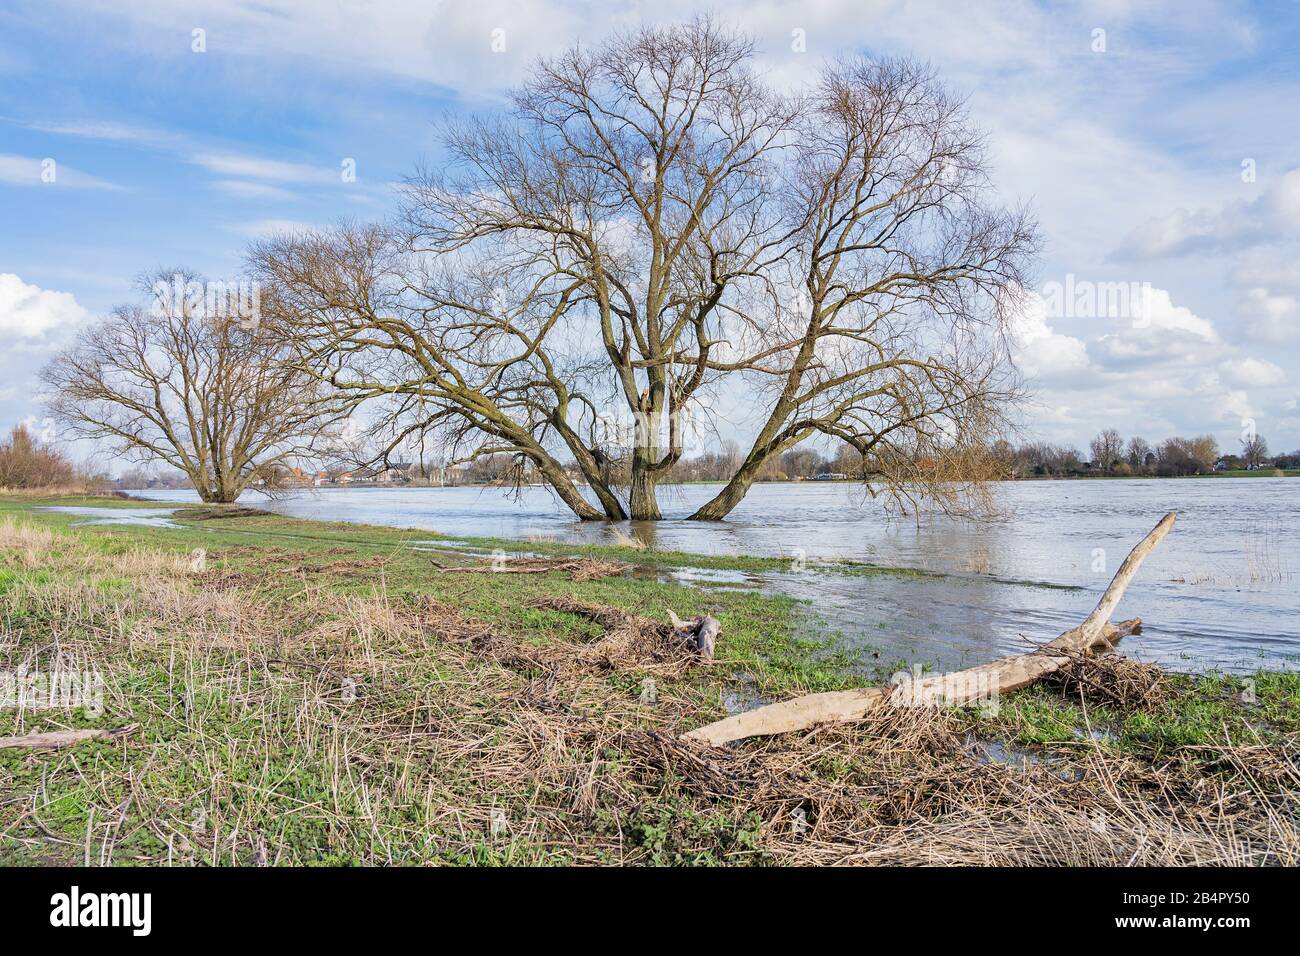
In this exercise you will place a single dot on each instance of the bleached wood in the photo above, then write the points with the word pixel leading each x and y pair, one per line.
pixel 953 689
pixel 56 739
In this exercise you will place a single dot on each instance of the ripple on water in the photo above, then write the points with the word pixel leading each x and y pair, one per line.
pixel 1219 593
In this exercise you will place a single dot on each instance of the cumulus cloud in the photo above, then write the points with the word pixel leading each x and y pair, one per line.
pixel 1248 372
pixel 1270 317
pixel 28 311
pixel 1273 216
pixel 1041 352
pixel 1163 371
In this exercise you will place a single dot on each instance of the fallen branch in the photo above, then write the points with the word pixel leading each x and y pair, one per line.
pixel 633 642
pixel 701 632
pixel 55 739
pixel 579 569
pixel 1095 634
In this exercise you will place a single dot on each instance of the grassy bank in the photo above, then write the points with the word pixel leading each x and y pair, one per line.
pixel 304 692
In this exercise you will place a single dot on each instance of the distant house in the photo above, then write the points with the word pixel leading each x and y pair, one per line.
pixel 358 476
pixel 399 473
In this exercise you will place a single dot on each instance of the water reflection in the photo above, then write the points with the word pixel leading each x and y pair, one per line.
pixel 1219 592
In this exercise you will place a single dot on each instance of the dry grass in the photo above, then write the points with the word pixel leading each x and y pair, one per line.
pixel 1112 680
pixel 366 728
pixel 1266 554
pixel 625 540
pixel 578 569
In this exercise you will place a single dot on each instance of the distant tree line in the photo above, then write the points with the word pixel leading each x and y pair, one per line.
pixel 1109 453
pixel 798 463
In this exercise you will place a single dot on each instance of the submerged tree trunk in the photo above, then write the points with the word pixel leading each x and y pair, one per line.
pixel 216 496
pixel 642 502
pixel 720 505
pixel 613 507
pixel 567 490
pixel 591 470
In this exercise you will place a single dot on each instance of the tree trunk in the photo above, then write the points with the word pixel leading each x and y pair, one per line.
pixel 567 490
pixel 590 469
pixel 642 501
pixel 211 494
pixel 720 505
pixel 613 507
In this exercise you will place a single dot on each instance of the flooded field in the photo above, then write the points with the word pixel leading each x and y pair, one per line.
pixel 1220 593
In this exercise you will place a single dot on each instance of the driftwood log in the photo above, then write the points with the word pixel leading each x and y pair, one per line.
pixel 1095 634
pixel 701 632
pixel 57 739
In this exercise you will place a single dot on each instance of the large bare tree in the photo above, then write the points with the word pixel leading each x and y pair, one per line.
pixel 208 394
pixel 650 223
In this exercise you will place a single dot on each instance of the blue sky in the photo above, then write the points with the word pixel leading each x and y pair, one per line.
pixel 1162 153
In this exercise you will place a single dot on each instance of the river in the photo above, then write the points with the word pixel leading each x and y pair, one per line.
pixel 1219 593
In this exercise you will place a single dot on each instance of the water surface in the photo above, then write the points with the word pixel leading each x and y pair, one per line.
pixel 1219 593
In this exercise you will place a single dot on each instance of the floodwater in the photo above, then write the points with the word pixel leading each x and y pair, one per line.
pixel 1219 593
pixel 150 517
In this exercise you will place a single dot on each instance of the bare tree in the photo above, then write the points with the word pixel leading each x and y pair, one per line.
pixel 204 394
pixel 1107 449
pixel 1139 450
pixel 1254 451
pixel 651 220
pixel 26 462
pixel 1187 456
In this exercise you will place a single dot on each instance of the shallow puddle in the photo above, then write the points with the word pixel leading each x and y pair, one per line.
pixel 144 517
pixel 743 696
pixel 1008 754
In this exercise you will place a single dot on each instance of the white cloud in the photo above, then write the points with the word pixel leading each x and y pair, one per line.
pixel 1160 314
pixel 100 129
pixel 1269 316
pixel 1042 353
pixel 1271 217
pixel 46 172
pixel 265 228
pixel 1166 371
pixel 257 167
pixel 240 189
pixel 1251 372
pixel 28 311
pixel 1268 269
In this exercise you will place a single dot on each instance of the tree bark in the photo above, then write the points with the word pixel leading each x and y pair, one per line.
pixel 721 504
pixel 642 501
pixel 954 689
pixel 568 491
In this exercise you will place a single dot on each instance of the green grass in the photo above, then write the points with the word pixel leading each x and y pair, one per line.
pixel 1252 473
pixel 763 640
pixel 211 767
pixel 1201 710
pixel 250 735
